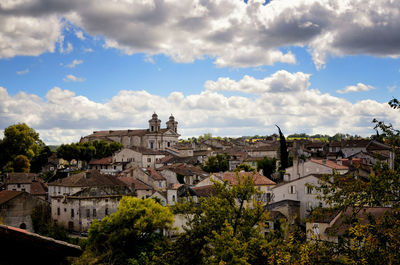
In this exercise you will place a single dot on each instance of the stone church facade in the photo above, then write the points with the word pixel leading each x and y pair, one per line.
pixel 154 137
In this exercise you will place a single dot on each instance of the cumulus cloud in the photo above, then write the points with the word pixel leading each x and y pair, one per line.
pixel 235 33
pixel 72 78
pixel 74 63
pixel 282 98
pixel 79 35
pixel 357 88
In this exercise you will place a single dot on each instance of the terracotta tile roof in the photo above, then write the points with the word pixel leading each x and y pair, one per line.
pixel 22 178
pixel 154 174
pixel 88 179
pixel 259 180
pixel 102 161
pixel 38 188
pixel 329 163
pixel 7 195
pixel 176 186
pixel 139 185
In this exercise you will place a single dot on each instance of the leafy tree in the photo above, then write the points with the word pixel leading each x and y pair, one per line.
pixel 132 235
pixel 223 229
pixel 21 164
pixel 217 163
pixel 41 159
pixel 19 139
pixel 245 168
pixel 268 166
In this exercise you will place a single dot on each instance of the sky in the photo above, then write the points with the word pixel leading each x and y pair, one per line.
pixel 226 67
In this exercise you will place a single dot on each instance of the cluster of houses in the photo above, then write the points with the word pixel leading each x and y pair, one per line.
pixel 154 164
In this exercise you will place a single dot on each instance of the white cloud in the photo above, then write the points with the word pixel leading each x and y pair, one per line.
pixel 287 100
pixel 234 33
pixel 74 63
pixel 72 78
pixel 79 35
pixel 23 72
pixel 87 50
pixel 357 88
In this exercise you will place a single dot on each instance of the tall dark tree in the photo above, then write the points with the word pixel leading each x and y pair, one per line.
pixel 268 165
pixel 284 155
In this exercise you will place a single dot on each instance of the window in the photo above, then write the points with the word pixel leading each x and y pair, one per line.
pixel 159 184
pixel 18 185
pixel 309 190
pixel 106 211
pixel 168 144
pixel 268 197
pixel 72 213
pixel 151 145
pixel 58 211
pixel 65 210
pixel 94 213
pixel 23 189
pixel 87 213
pixel 149 159
pixel 152 128
pixel 292 189
pixel 173 197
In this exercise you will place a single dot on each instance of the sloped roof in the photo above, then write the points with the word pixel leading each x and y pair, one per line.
pixel 259 180
pixel 22 178
pixel 102 161
pixel 87 179
pixel 154 174
pixel 38 188
pixel 204 191
pixel 146 151
pixel 139 185
pixel 7 195
pixel 329 163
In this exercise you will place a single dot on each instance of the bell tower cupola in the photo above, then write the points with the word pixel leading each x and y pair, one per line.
pixel 154 123
pixel 172 124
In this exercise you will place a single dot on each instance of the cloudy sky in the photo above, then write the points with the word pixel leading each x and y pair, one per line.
pixel 227 67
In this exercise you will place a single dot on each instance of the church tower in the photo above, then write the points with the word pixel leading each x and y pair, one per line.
pixel 172 124
pixel 154 123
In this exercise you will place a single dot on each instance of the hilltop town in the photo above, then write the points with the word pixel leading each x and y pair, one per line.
pixel 153 163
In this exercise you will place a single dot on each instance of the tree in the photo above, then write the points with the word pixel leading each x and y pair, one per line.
pixel 245 168
pixel 19 139
pixel 284 155
pixel 217 163
pixel 268 166
pixel 41 159
pixel 21 164
pixel 223 229
pixel 132 235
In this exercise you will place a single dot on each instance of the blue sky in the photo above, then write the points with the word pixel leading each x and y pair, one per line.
pixel 226 67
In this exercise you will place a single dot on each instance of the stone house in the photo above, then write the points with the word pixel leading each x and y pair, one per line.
pixel 270 151
pixel 16 208
pixel 302 168
pixel 28 182
pixel 138 187
pixel 154 137
pixel 80 198
pixel 299 190
pixel 148 175
pixel 138 156
pixel 180 173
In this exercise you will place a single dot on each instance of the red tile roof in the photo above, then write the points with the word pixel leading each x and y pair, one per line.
pixel 205 191
pixel 102 161
pixel 329 163
pixel 154 174
pixel 259 180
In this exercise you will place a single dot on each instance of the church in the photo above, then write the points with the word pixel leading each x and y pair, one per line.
pixel 154 137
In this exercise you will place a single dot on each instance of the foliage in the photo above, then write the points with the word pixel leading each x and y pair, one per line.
pixel 284 154
pixel 41 159
pixel 21 164
pixel 268 166
pixel 19 139
pixel 218 163
pixel 222 229
pixel 245 168
pixel 131 235
pixel 88 150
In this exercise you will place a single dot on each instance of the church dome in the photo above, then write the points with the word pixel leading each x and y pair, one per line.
pixel 171 118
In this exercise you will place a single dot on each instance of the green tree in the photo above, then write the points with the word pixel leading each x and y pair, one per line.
pixel 223 229
pixel 21 164
pixel 41 159
pixel 284 155
pixel 132 235
pixel 245 168
pixel 19 139
pixel 268 166
pixel 217 163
